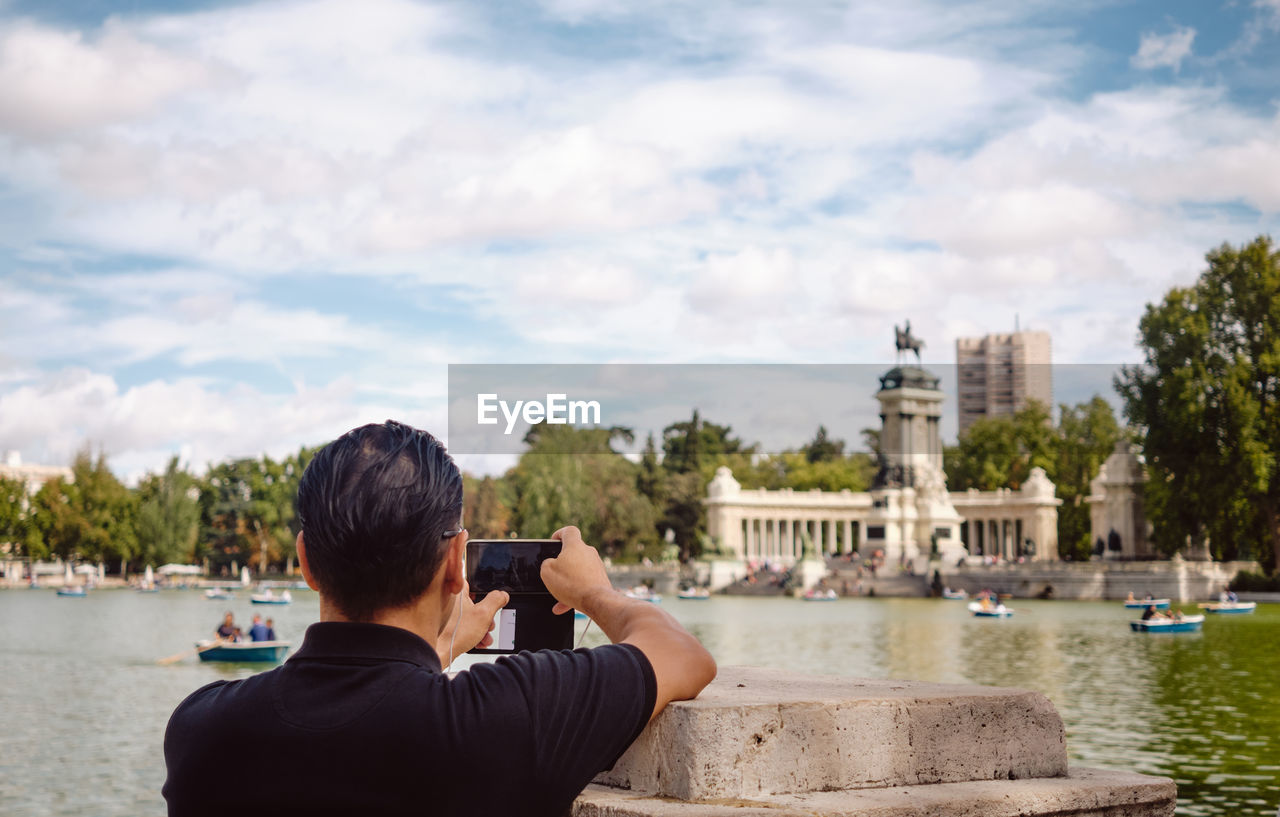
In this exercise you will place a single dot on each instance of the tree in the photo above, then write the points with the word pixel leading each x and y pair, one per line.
pixel 17 524
pixel 688 445
pixel 822 448
pixel 168 516
pixel 484 514
pixel 1087 434
pixel 248 511
pixel 999 452
pixel 92 517
pixel 573 476
pixel 1207 399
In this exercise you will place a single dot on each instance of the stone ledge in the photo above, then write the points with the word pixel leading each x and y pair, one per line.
pixel 1083 793
pixel 759 732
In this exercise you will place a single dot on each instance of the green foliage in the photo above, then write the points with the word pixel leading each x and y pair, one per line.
pixel 794 469
pixel 1247 582
pixel 999 452
pixel 822 448
pixel 93 518
pixel 573 476
pixel 18 529
pixel 1207 397
pixel 1087 434
pixel 688 446
pixel 248 511
pixel 484 514
pixel 168 516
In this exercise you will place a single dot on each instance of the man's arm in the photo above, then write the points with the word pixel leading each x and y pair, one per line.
pixel 578 580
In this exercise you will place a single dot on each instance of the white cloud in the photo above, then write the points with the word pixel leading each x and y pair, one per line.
pixel 139 427
pixel 739 184
pixel 1164 50
pixel 54 82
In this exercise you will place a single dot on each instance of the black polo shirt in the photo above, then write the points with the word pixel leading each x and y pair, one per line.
pixel 362 721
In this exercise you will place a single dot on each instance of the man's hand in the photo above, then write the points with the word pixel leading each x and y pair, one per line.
pixel 576 574
pixel 577 578
pixel 472 625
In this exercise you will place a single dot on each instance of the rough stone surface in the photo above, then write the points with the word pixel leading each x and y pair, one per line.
pixel 1084 793
pixel 759 732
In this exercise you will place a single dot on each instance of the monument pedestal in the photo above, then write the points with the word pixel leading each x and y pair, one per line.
pixel 773 743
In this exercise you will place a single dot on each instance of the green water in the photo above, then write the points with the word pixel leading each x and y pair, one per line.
pixel 83 704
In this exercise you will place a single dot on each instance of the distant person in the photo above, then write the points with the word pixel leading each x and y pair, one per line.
pixel 271 629
pixel 228 631
pixel 1149 613
pixel 258 630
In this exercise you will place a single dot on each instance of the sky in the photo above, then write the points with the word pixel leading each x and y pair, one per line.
pixel 236 228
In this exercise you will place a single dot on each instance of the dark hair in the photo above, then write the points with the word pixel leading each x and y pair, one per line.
pixel 374 505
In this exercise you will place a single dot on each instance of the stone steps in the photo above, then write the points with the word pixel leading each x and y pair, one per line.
pixel 769 741
pixel 1083 793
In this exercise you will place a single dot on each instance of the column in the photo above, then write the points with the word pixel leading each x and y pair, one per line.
pixel 848 536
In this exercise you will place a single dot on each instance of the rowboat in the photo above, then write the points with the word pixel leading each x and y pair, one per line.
pixel 254 651
pixel 980 610
pixel 1159 604
pixel 77 592
pixel 642 593
pixel 694 594
pixel 1188 624
pixel 271 598
pixel 1229 607
pixel 219 594
pixel 954 595
pixel 814 594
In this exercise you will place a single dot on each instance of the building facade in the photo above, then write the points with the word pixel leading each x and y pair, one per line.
pixel 1117 514
pixel 907 518
pixel 33 477
pixel 997 374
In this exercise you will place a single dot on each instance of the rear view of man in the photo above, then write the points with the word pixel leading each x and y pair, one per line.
pixel 362 720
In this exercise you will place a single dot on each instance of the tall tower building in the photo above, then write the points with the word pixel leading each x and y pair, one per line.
pixel 999 373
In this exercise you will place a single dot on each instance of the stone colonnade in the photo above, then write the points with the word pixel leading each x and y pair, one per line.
pixel 781 535
pixel 774 525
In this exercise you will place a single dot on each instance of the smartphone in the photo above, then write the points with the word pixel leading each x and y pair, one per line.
pixel 515 565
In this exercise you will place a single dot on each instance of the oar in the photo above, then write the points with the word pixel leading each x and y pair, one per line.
pixel 188 653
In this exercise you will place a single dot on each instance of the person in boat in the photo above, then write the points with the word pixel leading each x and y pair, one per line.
pixel 1150 613
pixel 271 629
pixel 228 631
pixel 1130 598
pixel 363 718
pixel 258 630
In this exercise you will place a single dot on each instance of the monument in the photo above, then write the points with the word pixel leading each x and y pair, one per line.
pixel 911 518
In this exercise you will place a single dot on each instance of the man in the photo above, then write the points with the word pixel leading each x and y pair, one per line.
pixel 228 631
pixel 271 630
pixel 362 720
pixel 258 631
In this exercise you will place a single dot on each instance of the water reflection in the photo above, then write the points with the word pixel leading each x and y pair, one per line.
pixel 85 703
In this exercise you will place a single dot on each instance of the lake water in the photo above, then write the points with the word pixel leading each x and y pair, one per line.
pixel 83 704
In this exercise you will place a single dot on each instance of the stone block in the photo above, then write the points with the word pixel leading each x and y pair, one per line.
pixel 760 732
pixel 1084 793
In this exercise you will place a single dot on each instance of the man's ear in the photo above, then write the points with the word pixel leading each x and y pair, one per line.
pixel 302 562
pixel 453 578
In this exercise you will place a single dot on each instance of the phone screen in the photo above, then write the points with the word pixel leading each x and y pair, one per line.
pixel 515 565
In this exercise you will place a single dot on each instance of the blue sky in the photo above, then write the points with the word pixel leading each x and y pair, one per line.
pixel 228 228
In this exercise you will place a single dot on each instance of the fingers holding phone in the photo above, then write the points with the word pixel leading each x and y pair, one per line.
pixel 576 573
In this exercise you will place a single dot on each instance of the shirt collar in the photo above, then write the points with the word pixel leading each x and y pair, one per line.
pixel 348 640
